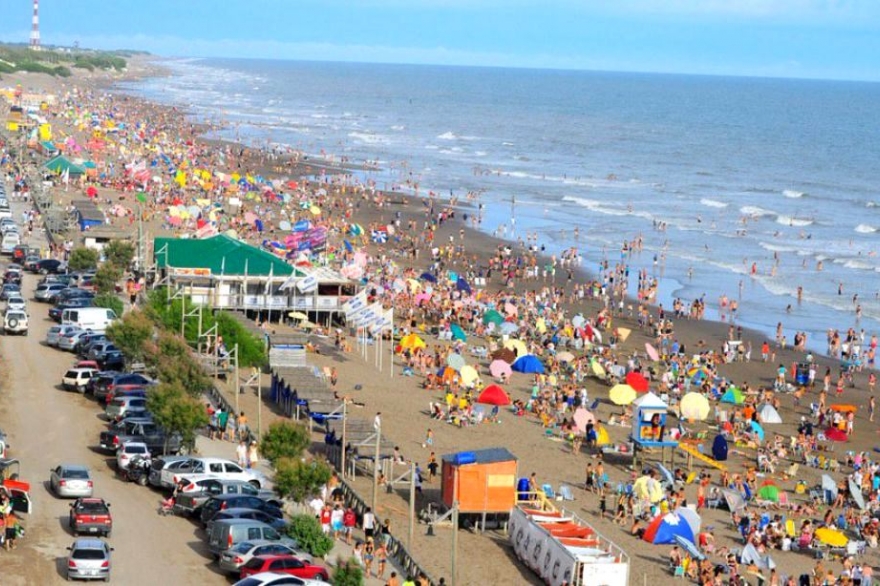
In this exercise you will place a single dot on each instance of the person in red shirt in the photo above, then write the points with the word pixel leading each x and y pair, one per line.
pixel 349 521
pixel 326 513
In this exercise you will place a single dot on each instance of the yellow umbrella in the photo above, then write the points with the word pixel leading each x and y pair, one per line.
pixel 411 341
pixel 695 406
pixel 831 537
pixel 468 374
pixel 517 346
pixel 316 211
pixel 541 325
pixel 298 315
pixel 413 284
pixel 597 369
pixel 624 333
pixel 622 394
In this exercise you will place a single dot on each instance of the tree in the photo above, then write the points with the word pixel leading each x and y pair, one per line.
pixel 106 278
pixel 176 412
pixel 347 573
pixel 307 532
pixel 119 253
pixel 110 302
pixel 173 363
pixel 285 439
pixel 300 479
pixel 251 349
pixel 82 259
pixel 131 333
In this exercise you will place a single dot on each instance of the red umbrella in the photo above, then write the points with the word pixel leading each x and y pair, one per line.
pixel 836 435
pixel 637 381
pixel 494 395
pixel 92 191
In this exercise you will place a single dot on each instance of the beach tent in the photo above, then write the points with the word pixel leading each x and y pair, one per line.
pixel 665 528
pixel 719 448
pixel 750 555
pixel 637 381
pixel 493 317
pixel 691 517
pixel 836 435
pixel 528 364
pixel 733 395
pixel 602 438
pixel 458 333
pixel 757 430
pixel 769 491
pixel 735 501
pixel 411 342
pixel 493 395
pixel 62 164
pixel 769 414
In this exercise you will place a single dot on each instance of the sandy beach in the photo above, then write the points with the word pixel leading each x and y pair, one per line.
pixel 432 235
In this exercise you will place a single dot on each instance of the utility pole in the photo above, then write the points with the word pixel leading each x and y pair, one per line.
pixel 412 506
pixel 378 429
pixel 344 425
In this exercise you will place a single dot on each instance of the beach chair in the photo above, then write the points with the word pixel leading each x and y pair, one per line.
pixel 790 528
pixel 594 404
pixel 566 493
pixel 784 503
pixel 691 477
pixel 547 489
pixel 792 471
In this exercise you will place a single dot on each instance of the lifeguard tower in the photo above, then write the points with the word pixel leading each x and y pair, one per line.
pixel 649 430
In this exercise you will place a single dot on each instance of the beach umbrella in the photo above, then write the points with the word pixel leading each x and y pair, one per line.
pixel 855 492
pixel 836 435
pixel 428 277
pixel 759 431
pixel 691 517
pixel 582 417
pixel 284 225
pixel 510 309
pixel 528 364
pixel 499 368
pixel 622 394
pixel 347 245
pixel 597 369
pixel 494 395
pixel 298 315
pixel 92 191
pixel 517 346
pixel 698 373
pixel 665 474
pixel 734 500
pixel 665 528
pixel 565 357
pixel 250 218
pixel 468 374
pixel 623 333
pixel 507 328
pixel 455 361
pixel 315 210
pixel 719 448
pixel 652 352
pixel 750 555
pixel 695 406
pixel 458 333
pixel 769 492
pixel 831 537
pixel 412 342
pixel 505 354
pixel 462 285
pixel 492 317
pixel 688 545
pixel 768 414
pixel 733 395
pixel 844 408
pixel 637 381
pixel 829 487
pixel 647 488
pixel 578 321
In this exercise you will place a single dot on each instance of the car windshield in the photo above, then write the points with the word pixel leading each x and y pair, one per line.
pixel 76 473
pixel 136 449
pixel 92 508
pixel 88 554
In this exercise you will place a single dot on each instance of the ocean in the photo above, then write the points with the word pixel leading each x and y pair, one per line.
pixel 716 174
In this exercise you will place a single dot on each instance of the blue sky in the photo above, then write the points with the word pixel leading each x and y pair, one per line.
pixel 832 39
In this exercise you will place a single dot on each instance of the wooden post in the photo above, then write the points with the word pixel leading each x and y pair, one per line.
pixel 412 506
pixel 344 425
pixel 452 580
pixel 376 468
pixel 260 403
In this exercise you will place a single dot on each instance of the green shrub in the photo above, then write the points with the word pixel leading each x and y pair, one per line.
pixel 83 259
pixel 285 439
pixel 347 573
pixel 298 479
pixel 306 529
pixel 110 301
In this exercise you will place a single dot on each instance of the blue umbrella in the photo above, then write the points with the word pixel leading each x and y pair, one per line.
pixel 462 285
pixel 348 246
pixel 428 277
pixel 759 431
pixel 688 545
pixel 458 333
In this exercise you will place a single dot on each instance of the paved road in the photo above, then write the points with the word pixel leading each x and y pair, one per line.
pixel 47 426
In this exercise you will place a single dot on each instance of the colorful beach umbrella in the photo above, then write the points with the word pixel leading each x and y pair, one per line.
pixel 665 528
pixel 458 333
pixel 836 435
pixel 637 381
pixel 622 394
pixel 493 317
pixel 412 342
pixel 695 406
pixel 499 368
pixel 831 537
pixel 769 492
pixel 565 357
pixel 597 369
pixel 517 346
pixel 505 354
pixel 652 352
pixel 455 361
pixel 494 395
pixel 529 364
pixel 469 374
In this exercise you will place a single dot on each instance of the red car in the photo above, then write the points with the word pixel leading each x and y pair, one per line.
pixel 90 515
pixel 284 564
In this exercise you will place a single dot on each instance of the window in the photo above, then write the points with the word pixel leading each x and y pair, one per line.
pixel 216 468
pixel 233 469
pixel 254 533
pixel 276 565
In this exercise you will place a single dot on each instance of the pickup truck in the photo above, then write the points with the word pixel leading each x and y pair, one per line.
pixel 140 430
pixel 190 502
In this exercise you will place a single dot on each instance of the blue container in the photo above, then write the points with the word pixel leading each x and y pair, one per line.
pixel 522 489
pixel 464 458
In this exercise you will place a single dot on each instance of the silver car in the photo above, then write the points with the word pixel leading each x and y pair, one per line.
pixel 45 291
pixel 55 333
pixel 233 559
pixel 89 559
pixel 69 341
pixel 71 481
pixel 122 407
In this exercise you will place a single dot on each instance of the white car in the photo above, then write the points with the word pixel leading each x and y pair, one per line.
pixel 76 379
pixel 15 321
pixel 16 302
pixel 127 451
pixel 196 469
pixel 277 579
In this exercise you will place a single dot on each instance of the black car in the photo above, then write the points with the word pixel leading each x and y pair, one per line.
pixel 120 381
pixel 13 277
pixel 57 311
pixel 101 377
pixel 50 265
pixel 113 360
pixel 237 501
pixel 74 293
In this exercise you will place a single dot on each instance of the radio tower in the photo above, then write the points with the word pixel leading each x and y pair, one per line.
pixel 35 27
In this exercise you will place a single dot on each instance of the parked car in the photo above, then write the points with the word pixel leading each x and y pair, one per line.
pixel 91 515
pixel 69 341
pixel 121 407
pixel 16 302
pixel 15 321
pixel 237 501
pixel 56 312
pixel 156 477
pixel 144 430
pixel 226 534
pixel 83 346
pixel 12 277
pixel 105 387
pixel 194 493
pixel 127 451
pixel 198 468
pixel 55 333
pixel 74 293
pixel 284 564
pixel 98 350
pixel 29 262
pixel 45 291
pixel 103 378
pixel 245 550
pixel 275 522
pixel 112 360
pixel 9 289
pixel 51 265
pixel 77 379
pixel 71 481
pixel 89 559
pixel 277 579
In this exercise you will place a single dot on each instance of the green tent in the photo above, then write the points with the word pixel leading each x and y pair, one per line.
pixel 62 164
pixel 493 317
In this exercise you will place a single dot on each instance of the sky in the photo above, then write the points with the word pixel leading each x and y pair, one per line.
pixel 825 39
